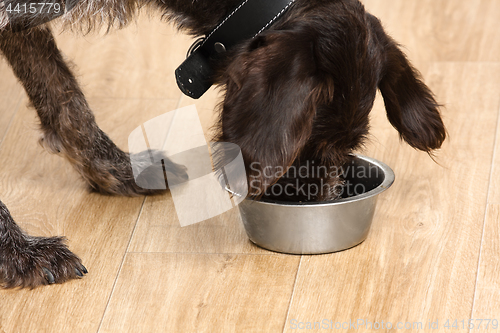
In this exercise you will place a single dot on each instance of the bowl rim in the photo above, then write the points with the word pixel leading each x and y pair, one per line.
pixel 389 178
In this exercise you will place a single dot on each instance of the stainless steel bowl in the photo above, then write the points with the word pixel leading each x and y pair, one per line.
pixel 320 227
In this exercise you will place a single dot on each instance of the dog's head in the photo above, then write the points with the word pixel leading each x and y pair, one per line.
pixel 304 88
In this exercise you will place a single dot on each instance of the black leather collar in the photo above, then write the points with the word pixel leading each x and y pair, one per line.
pixel 250 18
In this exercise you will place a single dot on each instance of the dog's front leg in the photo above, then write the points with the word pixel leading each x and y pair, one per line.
pixel 68 125
pixel 27 261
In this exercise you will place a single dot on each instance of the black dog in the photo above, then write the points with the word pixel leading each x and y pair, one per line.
pixel 299 91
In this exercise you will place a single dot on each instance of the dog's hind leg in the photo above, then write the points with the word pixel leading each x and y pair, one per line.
pixel 68 125
pixel 27 261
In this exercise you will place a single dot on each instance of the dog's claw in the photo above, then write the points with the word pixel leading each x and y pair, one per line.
pixel 84 270
pixel 48 275
pixel 78 273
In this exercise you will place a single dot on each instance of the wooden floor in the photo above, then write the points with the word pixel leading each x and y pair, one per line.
pixel 432 254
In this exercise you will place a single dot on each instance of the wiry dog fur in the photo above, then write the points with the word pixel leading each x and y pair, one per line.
pixel 300 91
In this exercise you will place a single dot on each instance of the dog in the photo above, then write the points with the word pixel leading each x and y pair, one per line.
pixel 299 91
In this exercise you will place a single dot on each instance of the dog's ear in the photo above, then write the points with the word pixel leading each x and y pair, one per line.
pixel 269 106
pixel 410 104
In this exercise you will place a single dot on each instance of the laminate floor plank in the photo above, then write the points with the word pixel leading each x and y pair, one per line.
pixel 487 297
pixel 442 30
pixel 201 293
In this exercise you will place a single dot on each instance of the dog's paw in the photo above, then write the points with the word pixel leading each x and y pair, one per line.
pixel 135 174
pixel 39 261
